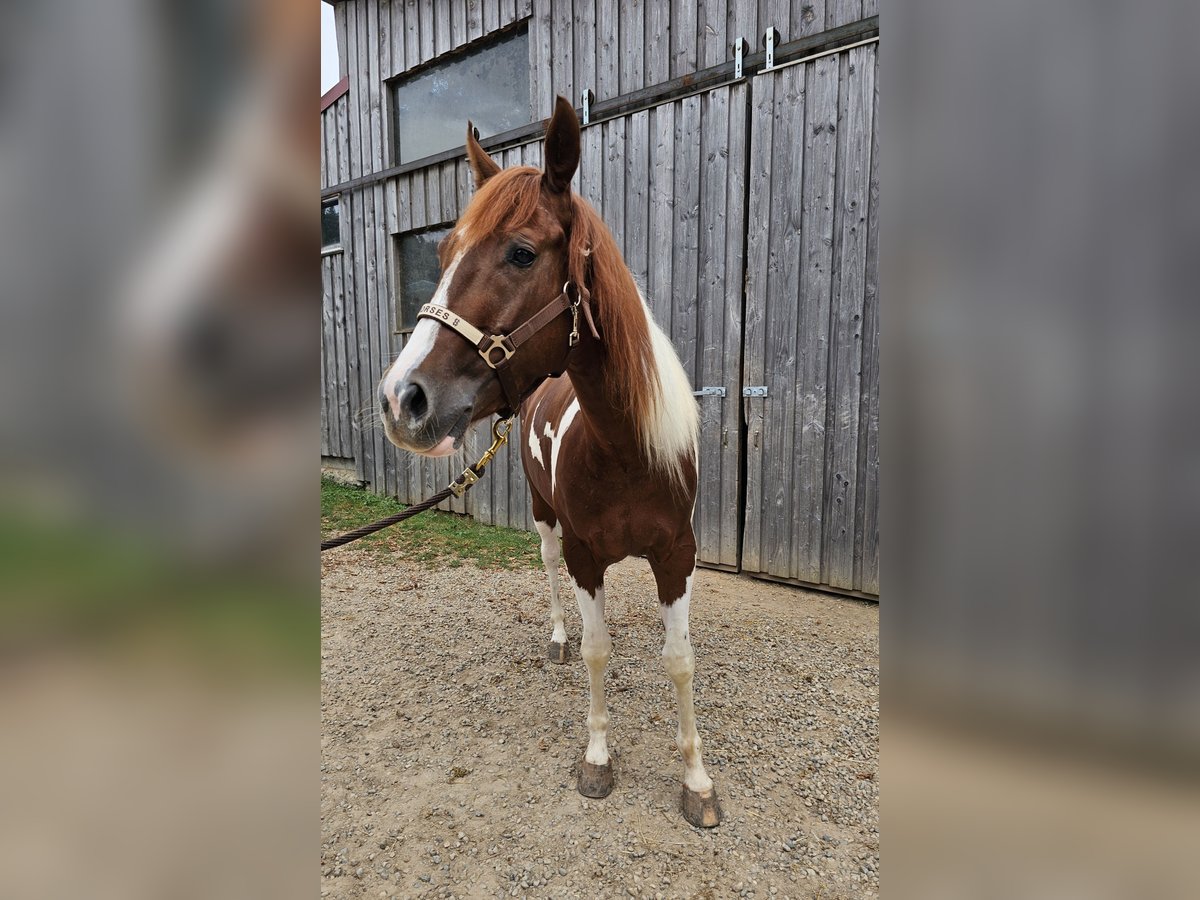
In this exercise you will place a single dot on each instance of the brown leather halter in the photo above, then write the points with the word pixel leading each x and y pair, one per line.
pixel 498 349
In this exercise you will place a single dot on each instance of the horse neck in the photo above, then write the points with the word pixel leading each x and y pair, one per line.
pixel 603 410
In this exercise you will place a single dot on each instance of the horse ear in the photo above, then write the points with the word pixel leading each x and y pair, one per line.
pixel 482 165
pixel 562 146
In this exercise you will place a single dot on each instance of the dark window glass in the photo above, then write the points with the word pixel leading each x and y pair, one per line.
pixel 419 272
pixel 489 86
pixel 331 224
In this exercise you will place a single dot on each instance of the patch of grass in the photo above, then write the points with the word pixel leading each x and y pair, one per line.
pixel 433 537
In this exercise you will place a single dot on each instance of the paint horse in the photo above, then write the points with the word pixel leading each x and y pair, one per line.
pixel 534 287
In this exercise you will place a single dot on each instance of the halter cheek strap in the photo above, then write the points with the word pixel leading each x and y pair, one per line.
pixel 498 349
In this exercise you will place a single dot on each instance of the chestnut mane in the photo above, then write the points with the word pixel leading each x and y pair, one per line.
pixel 645 374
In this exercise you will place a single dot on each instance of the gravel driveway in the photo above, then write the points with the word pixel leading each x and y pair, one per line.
pixel 450 746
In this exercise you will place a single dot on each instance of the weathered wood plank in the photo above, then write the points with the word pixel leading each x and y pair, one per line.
pixel 474 20
pixel 683 39
pixel 685 244
pixel 787 171
pixel 816 273
pixel 491 15
pixel 631 46
pixel 396 32
pixel 710 300
pixel 457 16
pixel 757 286
pixel 608 49
pixel 428 30
pixel 841 12
pixel 585 50
pixel 541 73
pixel 637 192
pixel 712 26
pixel 613 180
pixel 341 378
pixel 734 288
pixel 807 18
pixel 369 57
pixel 657 42
pixel 326 344
pixel 363 335
pixel 351 337
pixel 867 517
pixel 353 96
pixel 563 75
pixel 854 166
pixel 662 198
pixel 412 33
pixel 443 19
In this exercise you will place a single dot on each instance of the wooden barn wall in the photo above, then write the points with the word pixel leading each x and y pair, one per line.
pixel 812 450
pixel 611 47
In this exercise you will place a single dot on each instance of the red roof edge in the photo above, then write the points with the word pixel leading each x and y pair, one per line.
pixel 334 92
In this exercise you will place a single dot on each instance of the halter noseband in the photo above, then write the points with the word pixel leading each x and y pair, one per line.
pixel 498 349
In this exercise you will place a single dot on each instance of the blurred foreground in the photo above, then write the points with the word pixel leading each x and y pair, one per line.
pixel 1040 451
pixel 159 618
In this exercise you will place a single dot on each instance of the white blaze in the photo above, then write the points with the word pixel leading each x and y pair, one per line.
pixel 420 342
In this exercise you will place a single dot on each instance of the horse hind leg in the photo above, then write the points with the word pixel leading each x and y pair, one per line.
pixel 558 652
pixel 699 800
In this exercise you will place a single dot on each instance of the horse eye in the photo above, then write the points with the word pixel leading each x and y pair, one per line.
pixel 521 256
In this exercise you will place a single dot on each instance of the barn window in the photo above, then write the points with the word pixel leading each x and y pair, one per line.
pixel 331 225
pixel 417 272
pixel 487 83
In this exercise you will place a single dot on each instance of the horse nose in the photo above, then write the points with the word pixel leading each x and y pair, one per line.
pixel 405 402
pixel 413 403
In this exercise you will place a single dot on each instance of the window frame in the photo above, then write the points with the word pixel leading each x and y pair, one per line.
pixel 327 250
pixel 398 271
pixel 393 83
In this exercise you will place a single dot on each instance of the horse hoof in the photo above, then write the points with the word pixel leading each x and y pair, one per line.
pixel 595 781
pixel 701 810
pixel 558 652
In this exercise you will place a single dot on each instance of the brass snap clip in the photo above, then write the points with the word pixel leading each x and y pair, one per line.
pixel 574 339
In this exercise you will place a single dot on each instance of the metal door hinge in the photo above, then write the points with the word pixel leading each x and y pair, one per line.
pixel 770 41
pixel 756 391
pixel 709 392
pixel 586 100
pixel 741 49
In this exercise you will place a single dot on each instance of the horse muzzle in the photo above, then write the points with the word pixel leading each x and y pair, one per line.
pixel 423 416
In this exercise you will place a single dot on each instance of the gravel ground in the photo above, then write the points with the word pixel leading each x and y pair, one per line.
pixel 450 746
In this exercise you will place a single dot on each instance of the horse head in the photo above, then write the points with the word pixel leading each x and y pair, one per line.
pixel 505 313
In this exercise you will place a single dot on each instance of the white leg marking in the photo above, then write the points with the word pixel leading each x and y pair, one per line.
pixel 550 557
pixel 556 438
pixel 680 663
pixel 420 342
pixel 595 648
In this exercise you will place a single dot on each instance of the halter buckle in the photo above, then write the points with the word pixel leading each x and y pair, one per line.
pixel 497 342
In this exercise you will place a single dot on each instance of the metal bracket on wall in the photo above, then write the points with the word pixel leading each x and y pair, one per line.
pixel 709 392
pixel 771 40
pixel 587 99
pixel 756 391
pixel 741 49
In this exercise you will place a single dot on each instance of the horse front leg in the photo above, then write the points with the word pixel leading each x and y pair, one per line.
pixel 674 578
pixel 587 580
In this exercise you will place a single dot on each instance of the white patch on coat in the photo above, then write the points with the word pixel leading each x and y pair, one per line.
pixel 535 449
pixel 551 554
pixel 556 437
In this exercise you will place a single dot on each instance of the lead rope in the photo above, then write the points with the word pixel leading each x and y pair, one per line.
pixel 458 487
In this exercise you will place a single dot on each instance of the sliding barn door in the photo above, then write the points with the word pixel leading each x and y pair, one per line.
pixel 812 325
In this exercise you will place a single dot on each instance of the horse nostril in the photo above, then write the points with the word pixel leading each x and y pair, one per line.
pixel 413 402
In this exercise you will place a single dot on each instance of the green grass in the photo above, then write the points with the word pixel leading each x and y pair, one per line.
pixel 432 537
